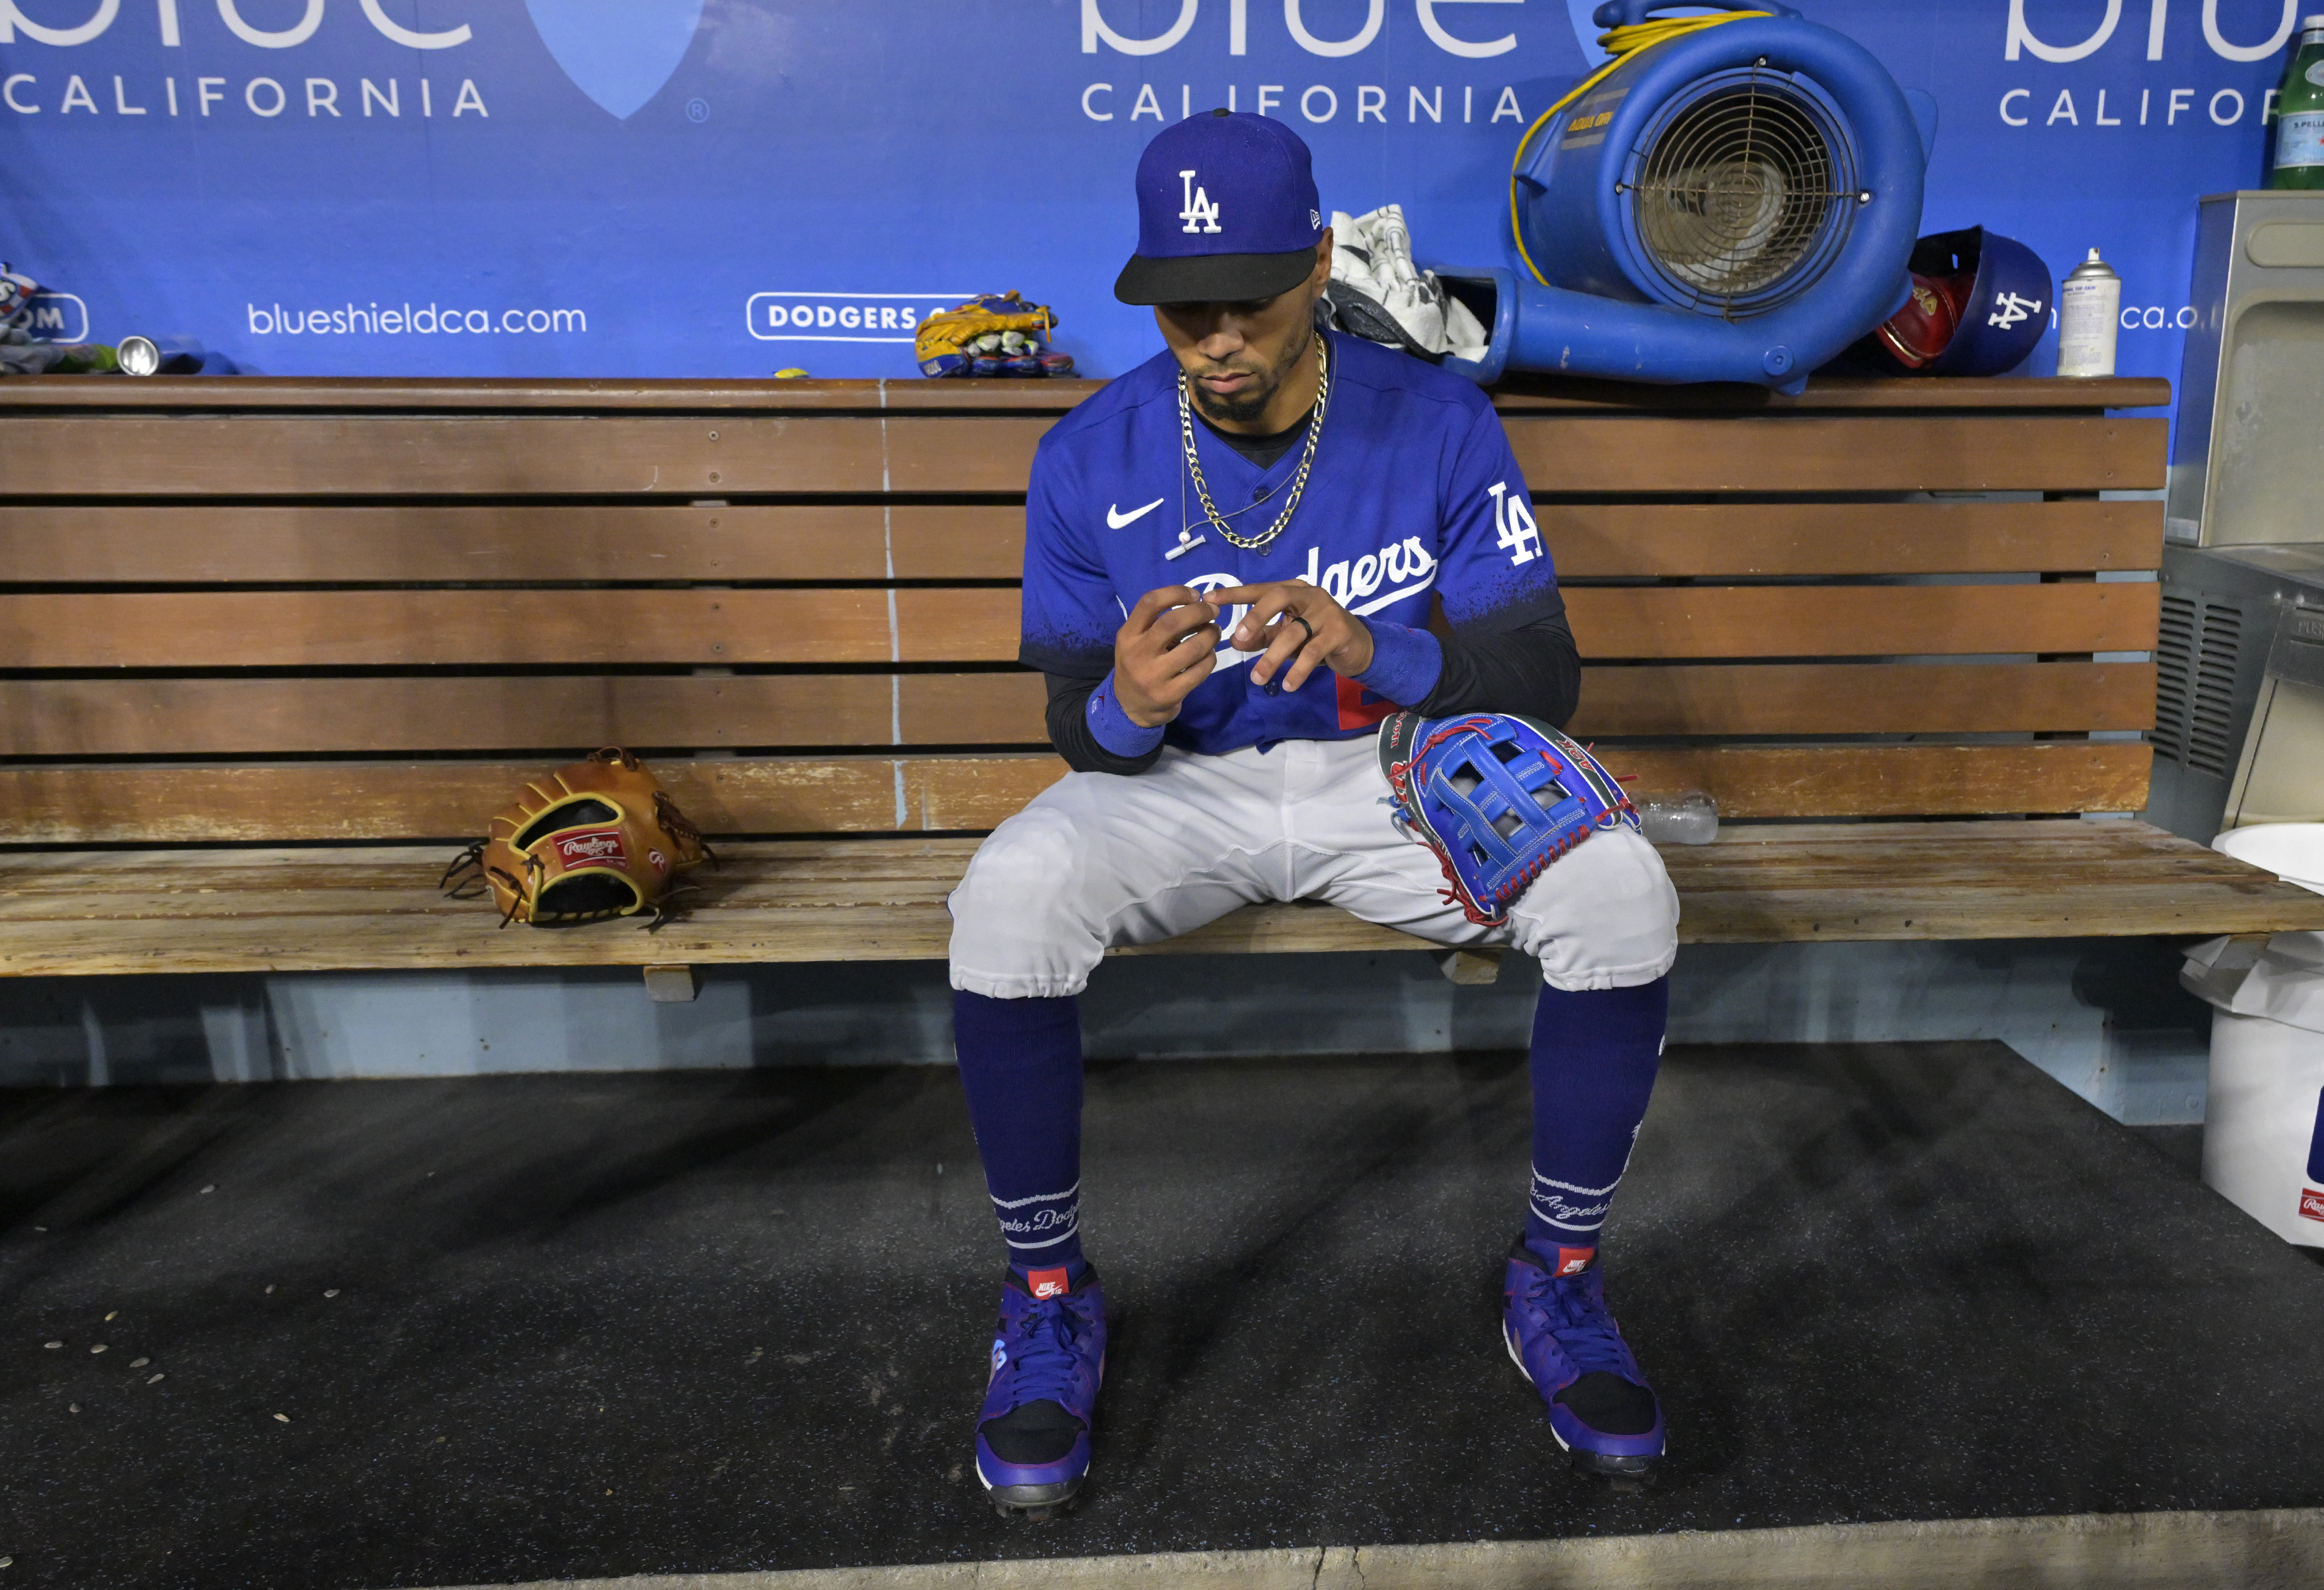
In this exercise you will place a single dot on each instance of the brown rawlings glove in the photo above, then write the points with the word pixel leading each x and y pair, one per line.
pixel 599 839
pixel 941 345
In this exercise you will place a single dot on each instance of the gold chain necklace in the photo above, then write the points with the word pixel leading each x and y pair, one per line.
pixel 1298 481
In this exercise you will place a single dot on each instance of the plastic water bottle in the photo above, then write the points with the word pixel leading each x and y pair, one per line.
pixel 1688 818
pixel 2089 311
pixel 2299 113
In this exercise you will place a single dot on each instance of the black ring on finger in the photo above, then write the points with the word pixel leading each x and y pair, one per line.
pixel 1303 623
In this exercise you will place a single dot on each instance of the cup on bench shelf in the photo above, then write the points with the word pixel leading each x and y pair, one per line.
pixel 1687 817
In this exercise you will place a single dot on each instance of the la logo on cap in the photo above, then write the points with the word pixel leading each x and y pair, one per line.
pixel 1199 208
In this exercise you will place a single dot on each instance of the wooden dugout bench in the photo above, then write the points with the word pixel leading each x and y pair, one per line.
pixel 271 647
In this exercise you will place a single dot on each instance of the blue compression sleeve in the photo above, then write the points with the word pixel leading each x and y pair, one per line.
pixel 1406 664
pixel 1112 727
pixel 1594 1058
pixel 1020 1065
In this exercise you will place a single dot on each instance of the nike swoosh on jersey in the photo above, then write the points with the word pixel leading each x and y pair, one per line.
pixel 1115 519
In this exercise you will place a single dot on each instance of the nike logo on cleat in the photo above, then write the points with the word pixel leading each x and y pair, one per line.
pixel 1115 519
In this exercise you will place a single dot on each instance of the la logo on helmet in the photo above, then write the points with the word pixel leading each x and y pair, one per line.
pixel 1199 208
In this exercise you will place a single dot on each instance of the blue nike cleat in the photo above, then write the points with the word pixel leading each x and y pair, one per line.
pixel 1561 1336
pixel 1033 1437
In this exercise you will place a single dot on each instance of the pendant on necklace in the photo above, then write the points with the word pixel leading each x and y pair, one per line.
pixel 1186 543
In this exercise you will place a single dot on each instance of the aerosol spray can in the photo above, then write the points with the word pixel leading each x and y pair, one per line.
pixel 159 356
pixel 2089 313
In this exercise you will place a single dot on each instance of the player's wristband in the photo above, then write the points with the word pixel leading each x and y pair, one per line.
pixel 1406 664
pixel 1111 726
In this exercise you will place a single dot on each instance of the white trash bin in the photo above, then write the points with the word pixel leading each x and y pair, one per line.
pixel 2263 1123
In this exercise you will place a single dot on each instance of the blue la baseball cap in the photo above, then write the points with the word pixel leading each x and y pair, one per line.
pixel 1227 212
pixel 2007 308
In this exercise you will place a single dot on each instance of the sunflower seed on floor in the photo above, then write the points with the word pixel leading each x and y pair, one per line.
pixel 151 1378
pixel 283 1418
pixel 139 1362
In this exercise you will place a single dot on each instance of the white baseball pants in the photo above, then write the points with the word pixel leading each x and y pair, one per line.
pixel 1099 860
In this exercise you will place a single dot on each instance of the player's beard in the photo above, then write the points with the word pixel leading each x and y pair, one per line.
pixel 1251 405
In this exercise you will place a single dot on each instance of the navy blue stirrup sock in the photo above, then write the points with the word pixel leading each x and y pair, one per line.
pixel 1594 1060
pixel 1020 1065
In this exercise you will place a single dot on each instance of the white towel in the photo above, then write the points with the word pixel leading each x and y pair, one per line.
pixel 1373 254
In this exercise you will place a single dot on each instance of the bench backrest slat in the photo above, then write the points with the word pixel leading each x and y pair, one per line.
pixel 1863 621
pixel 431 543
pixel 725 628
pixel 1812 540
pixel 439 543
pixel 412 716
pixel 1857 454
pixel 375 455
pixel 444 799
pixel 208 717
pixel 1801 699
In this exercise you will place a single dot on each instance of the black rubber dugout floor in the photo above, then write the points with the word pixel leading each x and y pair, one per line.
pixel 592 1325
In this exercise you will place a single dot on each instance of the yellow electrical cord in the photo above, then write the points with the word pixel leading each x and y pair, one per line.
pixel 1622 42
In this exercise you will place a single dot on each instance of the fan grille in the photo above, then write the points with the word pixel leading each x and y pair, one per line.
pixel 1743 199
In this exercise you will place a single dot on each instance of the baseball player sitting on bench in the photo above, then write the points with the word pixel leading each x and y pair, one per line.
pixel 1231 557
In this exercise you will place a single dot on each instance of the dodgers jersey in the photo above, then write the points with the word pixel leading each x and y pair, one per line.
pixel 1414 494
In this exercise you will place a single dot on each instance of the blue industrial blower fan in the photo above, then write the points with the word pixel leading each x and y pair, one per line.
pixel 1734 198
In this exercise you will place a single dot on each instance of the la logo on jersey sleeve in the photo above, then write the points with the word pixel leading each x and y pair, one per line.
pixel 1514 530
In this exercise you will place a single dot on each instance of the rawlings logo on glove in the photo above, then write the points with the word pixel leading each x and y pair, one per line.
pixel 561 853
pixel 1498 797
